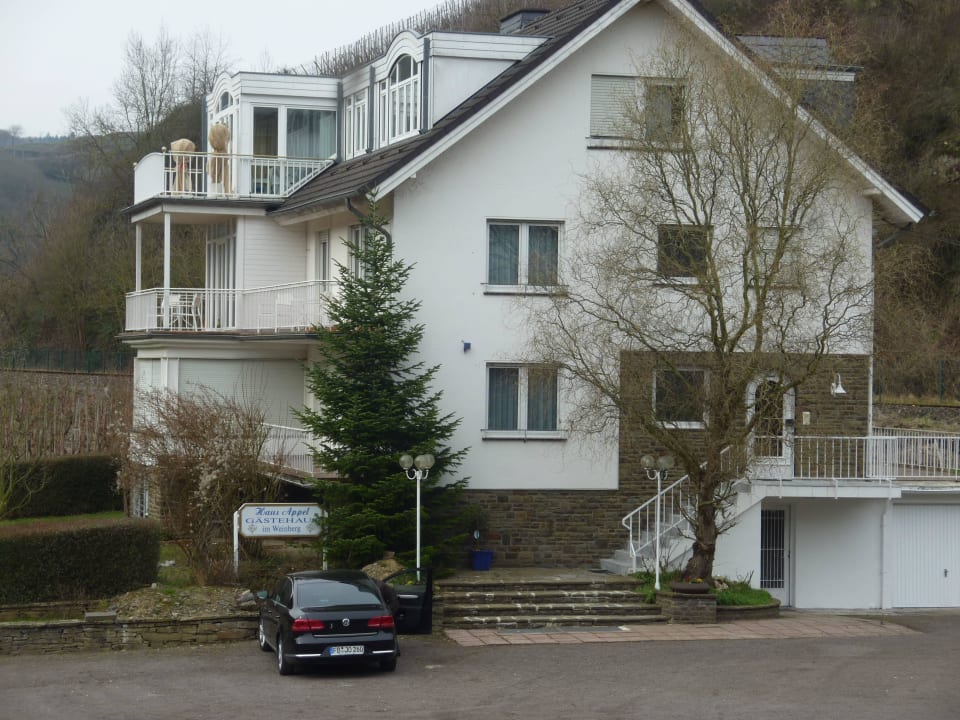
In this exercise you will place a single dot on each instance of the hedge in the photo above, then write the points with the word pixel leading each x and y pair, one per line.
pixel 82 559
pixel 72 485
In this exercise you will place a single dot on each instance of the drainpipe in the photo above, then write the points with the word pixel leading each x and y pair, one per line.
pixel 425 85
pixel 366 219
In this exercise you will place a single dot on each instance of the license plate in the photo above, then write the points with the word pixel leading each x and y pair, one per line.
pixel 347 650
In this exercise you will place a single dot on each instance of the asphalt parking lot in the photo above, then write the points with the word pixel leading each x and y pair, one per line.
pixel 908 672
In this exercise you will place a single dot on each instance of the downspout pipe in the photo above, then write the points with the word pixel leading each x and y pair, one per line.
pixel 365 219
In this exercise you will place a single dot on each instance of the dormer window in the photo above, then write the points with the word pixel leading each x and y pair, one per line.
pixel 400 100
pixel 225 101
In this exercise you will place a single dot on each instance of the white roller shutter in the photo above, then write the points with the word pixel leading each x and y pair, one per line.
pixel 275 385
pixel 926 555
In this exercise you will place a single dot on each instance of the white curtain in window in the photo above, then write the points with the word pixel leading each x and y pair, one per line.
pixel 542 259
pixel 311 133
pixel 504 255
pixel 503 403
pixel 541 399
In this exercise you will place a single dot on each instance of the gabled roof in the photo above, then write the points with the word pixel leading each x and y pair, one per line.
pixel 565 29
pixel 363 174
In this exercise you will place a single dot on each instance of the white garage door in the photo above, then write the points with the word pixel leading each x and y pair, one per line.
pixel 926 556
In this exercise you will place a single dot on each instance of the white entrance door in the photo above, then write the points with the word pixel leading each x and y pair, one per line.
pixel 926 556
pixel 775 552
pixel 774 427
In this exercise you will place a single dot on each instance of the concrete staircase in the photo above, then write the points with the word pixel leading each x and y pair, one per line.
pixel 558 599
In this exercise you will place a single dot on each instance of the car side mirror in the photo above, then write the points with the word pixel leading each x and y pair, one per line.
pixel 261 595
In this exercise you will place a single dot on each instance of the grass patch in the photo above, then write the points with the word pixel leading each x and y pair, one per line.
pixel 737 593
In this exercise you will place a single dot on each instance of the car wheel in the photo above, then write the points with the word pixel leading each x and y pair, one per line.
pixel 284 666
pixel 262 638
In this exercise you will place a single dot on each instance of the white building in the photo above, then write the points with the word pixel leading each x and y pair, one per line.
pixel 475 144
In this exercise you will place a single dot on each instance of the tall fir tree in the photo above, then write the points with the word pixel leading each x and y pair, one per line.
pixel 375 404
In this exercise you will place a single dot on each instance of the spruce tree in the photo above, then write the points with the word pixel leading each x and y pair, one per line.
pixel 375 404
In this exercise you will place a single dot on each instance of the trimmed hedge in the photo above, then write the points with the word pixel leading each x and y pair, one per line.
pixel 72 485
pixel 45 561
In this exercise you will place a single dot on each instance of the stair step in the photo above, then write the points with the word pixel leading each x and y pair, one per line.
pixel 537 621
pixel 605 608
pixel 503 595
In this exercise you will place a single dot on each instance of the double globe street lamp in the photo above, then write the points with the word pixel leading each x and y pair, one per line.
pixel 417 468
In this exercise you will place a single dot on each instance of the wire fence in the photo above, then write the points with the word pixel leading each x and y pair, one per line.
pixel 74 361
pixel 934 379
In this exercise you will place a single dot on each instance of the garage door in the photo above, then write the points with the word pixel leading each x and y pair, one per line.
pixel 926 556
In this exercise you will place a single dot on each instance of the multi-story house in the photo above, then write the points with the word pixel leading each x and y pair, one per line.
pixel 476 146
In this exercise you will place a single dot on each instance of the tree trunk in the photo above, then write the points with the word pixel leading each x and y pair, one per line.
pixel 700 564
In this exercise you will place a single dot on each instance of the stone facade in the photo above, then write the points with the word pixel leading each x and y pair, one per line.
pixel 102 631
pixel 699 609
pixel 576 528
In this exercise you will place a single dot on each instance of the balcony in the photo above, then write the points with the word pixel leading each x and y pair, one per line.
pixel 216 176
pixel 289 307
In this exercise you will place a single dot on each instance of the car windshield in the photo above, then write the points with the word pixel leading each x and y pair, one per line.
pixel 327 594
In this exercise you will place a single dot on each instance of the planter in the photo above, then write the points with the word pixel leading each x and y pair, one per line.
pixel 481 559
pixel 690 588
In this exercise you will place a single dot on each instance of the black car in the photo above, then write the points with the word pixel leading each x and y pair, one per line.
pixel 333 616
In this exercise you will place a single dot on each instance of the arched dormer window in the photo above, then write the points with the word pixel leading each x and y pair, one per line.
pixel 225 101
pixel 400 100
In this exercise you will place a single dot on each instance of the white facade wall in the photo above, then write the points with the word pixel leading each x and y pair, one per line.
pixel 269 254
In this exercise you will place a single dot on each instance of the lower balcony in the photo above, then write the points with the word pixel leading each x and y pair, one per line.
pixel 289 307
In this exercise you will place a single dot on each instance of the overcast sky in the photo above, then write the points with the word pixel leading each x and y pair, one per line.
pixel 54 53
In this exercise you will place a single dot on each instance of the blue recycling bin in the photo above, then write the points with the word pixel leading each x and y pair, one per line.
pixel 481 559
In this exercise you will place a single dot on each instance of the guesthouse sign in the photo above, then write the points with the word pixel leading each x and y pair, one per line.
pixel 279 520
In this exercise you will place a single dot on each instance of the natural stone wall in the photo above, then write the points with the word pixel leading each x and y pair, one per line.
pixel 102 631
pixel 729 613
pixel 687 608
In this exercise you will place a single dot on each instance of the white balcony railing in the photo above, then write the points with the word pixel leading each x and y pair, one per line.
pixel 886 455
pixel 288 448
pixel 292 306
pixel 203 175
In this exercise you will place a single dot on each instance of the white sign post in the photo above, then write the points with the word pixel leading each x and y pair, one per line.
pixel 274 520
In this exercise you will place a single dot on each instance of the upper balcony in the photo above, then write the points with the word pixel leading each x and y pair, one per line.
pixel 222 176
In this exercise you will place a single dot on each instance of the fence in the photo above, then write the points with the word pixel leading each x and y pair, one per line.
pixel 78 361
pixel 937 378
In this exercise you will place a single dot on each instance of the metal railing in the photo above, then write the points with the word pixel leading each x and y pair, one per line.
pixel 213 175
pixel 294 306
pixel 289 448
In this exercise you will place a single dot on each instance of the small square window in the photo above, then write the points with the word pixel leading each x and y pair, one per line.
pixel 522 399
pixel 681 250
pixel 523 254
pixel 679 396
pixel 663 111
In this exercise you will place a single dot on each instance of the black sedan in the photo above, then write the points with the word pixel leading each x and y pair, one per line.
pixel 330 616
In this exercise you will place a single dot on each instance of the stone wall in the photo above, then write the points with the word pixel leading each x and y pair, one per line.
pixel 699 609
pixel 102 631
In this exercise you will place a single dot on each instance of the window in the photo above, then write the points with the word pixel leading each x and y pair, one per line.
pixel 679 396
pixel 311 133
pixel 521 399
pixel 357 244
pixel 663 111
pixel 608 97
pixel 399 107
pixel 523 254
pixel 355 124
pixel 265 131
pixel 613 96
pixel 681 250
pixel 786 271
pixel 225 101
pixel 323 256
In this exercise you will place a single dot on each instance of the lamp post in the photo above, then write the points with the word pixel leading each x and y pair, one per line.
pixel 657 469
pixel 418 469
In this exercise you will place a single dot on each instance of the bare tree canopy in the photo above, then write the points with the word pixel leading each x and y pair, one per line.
pixel 726 254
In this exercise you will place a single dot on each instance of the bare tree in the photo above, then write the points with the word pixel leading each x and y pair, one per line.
pixel 723 265
pixel 149 84
pixel 205 57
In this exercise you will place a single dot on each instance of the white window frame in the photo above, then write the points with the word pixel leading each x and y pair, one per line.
pixel 522 285
pixel 690 274
pixel 358 239
pixel 396 97
pixel 651 132
pixel 322 270
pixel 681 424
pixel 608 93
pixel 521 432
pixel 355 124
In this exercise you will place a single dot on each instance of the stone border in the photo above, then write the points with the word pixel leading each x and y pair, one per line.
pixel 729 613
pixel 688 608
pixel 102 631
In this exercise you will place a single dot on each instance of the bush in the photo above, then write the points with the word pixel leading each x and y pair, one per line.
pixel 741 594
pixel 80 559
pixel 72 485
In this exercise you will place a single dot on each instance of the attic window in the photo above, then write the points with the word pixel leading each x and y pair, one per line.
pixel 399 111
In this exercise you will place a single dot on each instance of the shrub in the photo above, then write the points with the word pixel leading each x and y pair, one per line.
pixel 78 559
pixel 73 485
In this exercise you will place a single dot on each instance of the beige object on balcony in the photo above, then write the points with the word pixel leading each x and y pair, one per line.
pixel 219 166
pixel 181 149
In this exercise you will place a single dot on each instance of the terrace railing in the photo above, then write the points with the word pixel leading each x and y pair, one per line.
pixel 216 176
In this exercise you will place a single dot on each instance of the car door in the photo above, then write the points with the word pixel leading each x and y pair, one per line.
pixel 415 599
pixel 274 607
